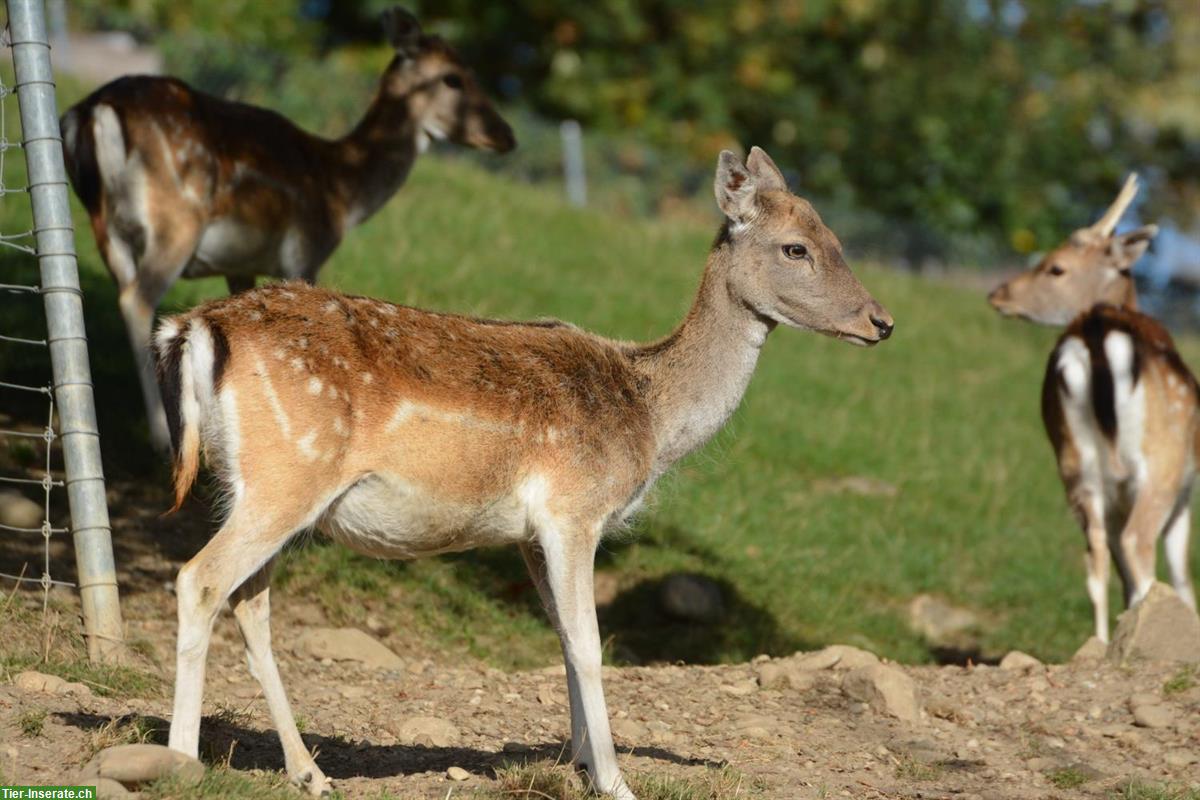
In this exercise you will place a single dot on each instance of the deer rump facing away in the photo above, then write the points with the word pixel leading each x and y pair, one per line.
pixel 178 183
pixel 1120 409
pixel 337 397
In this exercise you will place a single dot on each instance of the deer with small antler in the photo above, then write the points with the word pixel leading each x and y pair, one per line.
pixel 404 433
pixel 1120 407
pixel 179 183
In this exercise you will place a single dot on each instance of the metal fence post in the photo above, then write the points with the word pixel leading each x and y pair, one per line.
pixel 64 321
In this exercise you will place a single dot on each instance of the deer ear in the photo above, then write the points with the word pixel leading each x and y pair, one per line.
pixel 1127 248
pixel 736 189
pixel 402 29
pixel 769 176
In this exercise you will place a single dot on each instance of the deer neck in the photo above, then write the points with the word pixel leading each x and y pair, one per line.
pixel 374 159
pixel 698 374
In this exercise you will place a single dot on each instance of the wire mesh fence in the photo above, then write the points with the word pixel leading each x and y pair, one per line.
pixel 45 232
pixel 22 242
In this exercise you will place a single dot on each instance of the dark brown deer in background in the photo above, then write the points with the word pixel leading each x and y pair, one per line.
pixel 1119 405
pixel 179 183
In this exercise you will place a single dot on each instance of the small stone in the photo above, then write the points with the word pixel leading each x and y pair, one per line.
pixel 428 731
pixel 107 788
pixel 1147 716
pixel 741 688
pixel 754 726
pixel 345 644
pixel 694 598
pixel 376 626
pixel 629 730
pixel 1159 628
pixel 783 674
pixel 457 774
pixel 836 656
pixel 18 511
pixel 32 681
pixel 886 689
pixel 135 764
pixel 547 695
pixel 1180 758
pixel 942 624
pixel 1091 650
pixel 353 692
pixel 1016 661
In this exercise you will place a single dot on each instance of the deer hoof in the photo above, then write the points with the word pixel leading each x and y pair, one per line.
pixel 314 782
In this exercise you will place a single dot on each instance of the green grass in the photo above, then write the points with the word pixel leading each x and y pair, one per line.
pixel 1139 790
pixel 1067 778
pixel 946 412
pixel 32 722
pixel 223 782
pixel 1181 681
pixel 544 780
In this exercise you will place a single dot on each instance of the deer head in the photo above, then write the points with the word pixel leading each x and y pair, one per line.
pixel 1093 266
pixel 786 265
pixel 441 93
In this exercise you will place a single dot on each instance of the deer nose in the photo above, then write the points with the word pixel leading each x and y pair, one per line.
pixel 884 326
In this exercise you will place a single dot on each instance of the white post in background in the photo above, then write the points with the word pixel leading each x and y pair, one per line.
pixel 573 169
pixel 66 335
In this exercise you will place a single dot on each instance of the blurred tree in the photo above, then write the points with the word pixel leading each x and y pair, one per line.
pixel 953 118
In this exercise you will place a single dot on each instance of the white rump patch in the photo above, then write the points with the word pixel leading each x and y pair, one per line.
pixel 1130 402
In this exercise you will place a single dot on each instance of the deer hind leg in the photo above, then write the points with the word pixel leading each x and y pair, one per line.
pixel 567 555
pixel 169 248
pixel 242 547
pixel 1175 545
pixel 252 608
pixel 1089 508
pixel 1151 511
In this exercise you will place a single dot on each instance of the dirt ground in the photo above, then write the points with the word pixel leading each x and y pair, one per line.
pixel 1061 731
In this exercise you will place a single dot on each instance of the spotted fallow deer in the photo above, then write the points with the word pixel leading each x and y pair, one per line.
pixel 404 433
pixel 1119 405
pixel 181 183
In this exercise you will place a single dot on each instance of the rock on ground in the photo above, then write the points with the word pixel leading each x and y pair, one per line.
pixel 940 623
pixel 346 644
pixel 50 684
pixel 836 656
pixel 1160 628
pixel 692 597
pixel 886 689
pixel 428 731
pixel 135 764
pixel 1091 650
pixel 18 511
pixel 1017 661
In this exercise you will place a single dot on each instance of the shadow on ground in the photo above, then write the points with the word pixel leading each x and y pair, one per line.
pixel 248 748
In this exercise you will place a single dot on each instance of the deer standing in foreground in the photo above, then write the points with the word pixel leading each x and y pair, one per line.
pixel 404 433
pixel 1120 407
pixel 179 183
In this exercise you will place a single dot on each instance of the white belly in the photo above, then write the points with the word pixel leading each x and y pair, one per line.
pixel 386 517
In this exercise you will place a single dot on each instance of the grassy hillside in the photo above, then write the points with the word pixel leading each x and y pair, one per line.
pixel 946 413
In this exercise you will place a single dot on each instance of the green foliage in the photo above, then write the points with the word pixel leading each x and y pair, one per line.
pixel 32 722
pixel 544 780
pixel 963 123
pixel 1141 790
pixel 1181 681
pixel 1067 778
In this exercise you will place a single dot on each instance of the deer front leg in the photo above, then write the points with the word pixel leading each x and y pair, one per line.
pixel 252 608
pixel 568 555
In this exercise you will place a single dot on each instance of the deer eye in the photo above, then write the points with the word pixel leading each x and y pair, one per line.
pixel 795 251
pixel 453 81
pixel 1056 270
